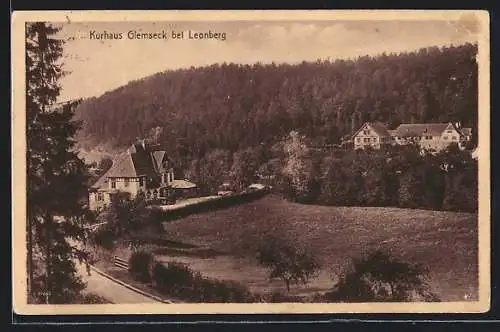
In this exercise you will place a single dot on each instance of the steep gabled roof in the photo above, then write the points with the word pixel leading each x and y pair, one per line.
pixel 101 182
pixel 143 163
pixel 123 167
pixel 419 129
pixel 378 127
pixel 138 161
pixel 158 157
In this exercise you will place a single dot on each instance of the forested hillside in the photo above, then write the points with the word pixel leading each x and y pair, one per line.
pixel 232 107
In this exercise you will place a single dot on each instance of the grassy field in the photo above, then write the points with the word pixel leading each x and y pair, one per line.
pixel 445 242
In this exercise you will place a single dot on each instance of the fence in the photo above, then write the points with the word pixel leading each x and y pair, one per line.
pixel 119 262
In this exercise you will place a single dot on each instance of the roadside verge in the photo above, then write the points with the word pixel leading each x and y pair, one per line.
pixel 132 288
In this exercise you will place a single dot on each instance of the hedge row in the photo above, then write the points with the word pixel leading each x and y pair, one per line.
pixel 216 203
pixel 178 280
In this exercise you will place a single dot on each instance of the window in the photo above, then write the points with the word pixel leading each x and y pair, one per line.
pixel 366 140
pixel 100 197
pixel 113 184
pixel 366 132
pixel 141 182
pixel 449 131
pixel 454 138
pixel 126 182
pixel 445 138
pixel 374 139
pixel 359 139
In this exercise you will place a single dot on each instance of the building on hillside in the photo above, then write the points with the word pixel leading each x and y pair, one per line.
pixel 429 136
pixel 142 168
pixel 372 134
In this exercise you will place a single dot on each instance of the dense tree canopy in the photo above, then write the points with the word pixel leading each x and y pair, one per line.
pixel 232 107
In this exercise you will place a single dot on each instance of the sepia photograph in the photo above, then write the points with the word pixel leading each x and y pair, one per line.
pixel 250 162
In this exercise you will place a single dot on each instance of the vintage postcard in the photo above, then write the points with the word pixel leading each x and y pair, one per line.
pixel 250 162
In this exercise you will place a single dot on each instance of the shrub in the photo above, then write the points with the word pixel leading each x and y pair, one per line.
pixel 181 281
pixel 382 278
pixel 140 264
pixel 172 275
pixel 213 290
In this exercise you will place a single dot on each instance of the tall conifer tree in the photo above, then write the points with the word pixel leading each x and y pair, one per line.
pixel 56 176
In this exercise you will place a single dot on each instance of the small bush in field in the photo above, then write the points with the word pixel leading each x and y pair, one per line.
pixel 140 264
pixel 379 277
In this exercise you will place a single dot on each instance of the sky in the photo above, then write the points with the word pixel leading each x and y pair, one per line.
pixel 96 66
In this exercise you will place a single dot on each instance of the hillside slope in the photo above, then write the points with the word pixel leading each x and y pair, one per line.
pixel 232 107
pixel 445 242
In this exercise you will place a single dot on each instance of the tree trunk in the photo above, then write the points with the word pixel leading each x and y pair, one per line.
pixel 29 240
pixel 48 260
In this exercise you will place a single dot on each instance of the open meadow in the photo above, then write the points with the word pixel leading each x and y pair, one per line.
pixel 445 242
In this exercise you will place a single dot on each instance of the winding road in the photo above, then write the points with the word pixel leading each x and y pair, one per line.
pixel 106 287
pixel 109 289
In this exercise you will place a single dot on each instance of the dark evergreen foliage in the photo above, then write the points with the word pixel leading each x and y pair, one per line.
pixel 56 176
